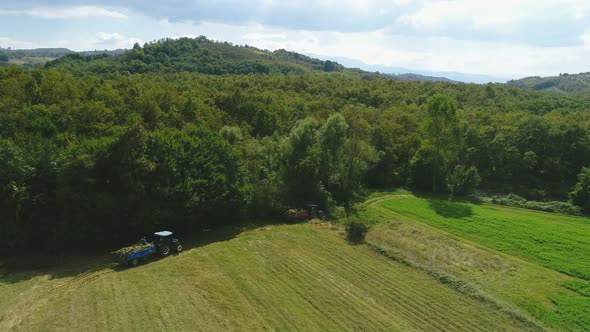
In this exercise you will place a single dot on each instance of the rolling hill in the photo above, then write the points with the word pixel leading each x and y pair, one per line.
pixel 204 55
pixel 214 57
pixel 566 83
pixel 199 55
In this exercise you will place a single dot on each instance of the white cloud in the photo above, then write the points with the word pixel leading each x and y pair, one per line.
pixel 434 15
pixel 534 22
pixel 66 12
pixel 493 13
pixel 113 40
pixel 6 42
pixel 109 37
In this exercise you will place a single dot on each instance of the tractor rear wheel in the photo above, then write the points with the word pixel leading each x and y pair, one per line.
pixel 164 250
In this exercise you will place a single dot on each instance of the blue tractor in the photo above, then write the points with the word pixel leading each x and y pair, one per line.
pixel 163 243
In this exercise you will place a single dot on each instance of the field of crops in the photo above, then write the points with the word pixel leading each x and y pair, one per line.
pixel 288 277
pixel 532 261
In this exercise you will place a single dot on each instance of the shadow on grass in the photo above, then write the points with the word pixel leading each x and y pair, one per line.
pixel 456 207
pixel 450 209
pixel 355 242
pixel 22 267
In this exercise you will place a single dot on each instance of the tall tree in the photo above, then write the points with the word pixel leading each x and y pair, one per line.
pixel 302 161
pixel 441 135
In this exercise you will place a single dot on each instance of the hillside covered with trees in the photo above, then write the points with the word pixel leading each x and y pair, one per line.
pixel 199 55
pixel 565 83
pixel 97 149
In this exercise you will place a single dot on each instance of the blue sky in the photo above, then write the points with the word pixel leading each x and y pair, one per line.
pixel 511 38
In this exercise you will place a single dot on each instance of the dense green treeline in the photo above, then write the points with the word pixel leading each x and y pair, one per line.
pixel 101 159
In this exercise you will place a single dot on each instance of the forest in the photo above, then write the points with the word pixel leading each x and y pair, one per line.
pixel 185 134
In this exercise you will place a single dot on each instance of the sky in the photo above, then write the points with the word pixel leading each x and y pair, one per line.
pixel 501 38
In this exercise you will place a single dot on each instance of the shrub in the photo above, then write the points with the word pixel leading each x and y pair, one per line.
pixel 338 212
pixel 580 196
pixel 356 231
pixel 463 180
pixel 509 200
pixel 554 206
pixel 550 206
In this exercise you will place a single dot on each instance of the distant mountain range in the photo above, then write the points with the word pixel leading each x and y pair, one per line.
pixel 39 56
pixel 569 83
pixel 420 75
pixel 38 52
pixel 54 52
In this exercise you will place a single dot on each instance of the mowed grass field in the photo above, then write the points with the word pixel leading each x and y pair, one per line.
pixel 531 262
pixel 302 277
pixel 556 241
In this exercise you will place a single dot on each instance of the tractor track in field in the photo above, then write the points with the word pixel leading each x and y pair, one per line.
pixel 376 200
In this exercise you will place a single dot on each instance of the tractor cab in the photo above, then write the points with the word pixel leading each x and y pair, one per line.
pixel 165 241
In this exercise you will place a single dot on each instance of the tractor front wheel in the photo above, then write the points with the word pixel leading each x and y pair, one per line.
pixel 178 247
pixel 164 250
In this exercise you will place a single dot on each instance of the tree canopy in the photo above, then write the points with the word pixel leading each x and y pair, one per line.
pixel 94 151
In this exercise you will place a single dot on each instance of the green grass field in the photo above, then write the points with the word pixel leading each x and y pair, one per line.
pixel 287 277
pixel 556 241
pixel 532 262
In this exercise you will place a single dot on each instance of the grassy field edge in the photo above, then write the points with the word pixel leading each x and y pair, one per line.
pixel 397 236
